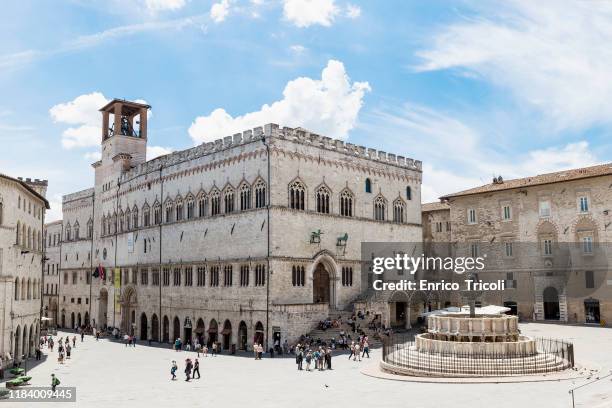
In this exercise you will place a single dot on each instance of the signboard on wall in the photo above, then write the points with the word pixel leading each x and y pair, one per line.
pixel 117 285
pixel 130 242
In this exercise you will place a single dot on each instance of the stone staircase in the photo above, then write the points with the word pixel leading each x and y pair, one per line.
pixel 334 332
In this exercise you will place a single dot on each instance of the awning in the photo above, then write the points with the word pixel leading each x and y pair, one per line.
pixel 199 330
pixel 226 331
pixel 45 318
pixel 212 330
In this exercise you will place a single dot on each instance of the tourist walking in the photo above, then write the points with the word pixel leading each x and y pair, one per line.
pixel 74 341
pixel 328 358
pixel 366 348
pixel 68 350
pixel 38 353
pixel 196 369
pixel 352 350
pixel 188 367
pixel 214 349
pixel 54 382
pixel 205 350
pixel 299 358
pixel 82 336
pixel 173 370
pixel 308 360
pixel 356 353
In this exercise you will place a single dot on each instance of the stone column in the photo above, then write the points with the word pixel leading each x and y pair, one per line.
pixel 117 118
pixel 104 125
pixel 407 312
pixel 143 123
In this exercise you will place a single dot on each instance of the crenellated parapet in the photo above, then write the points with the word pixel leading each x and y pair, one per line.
pixel 79 195
pixel 271 130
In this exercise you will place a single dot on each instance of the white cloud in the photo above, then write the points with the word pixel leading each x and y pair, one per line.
pixel 20 58
pixel 163 5
pixel 353 11
pixel 304 13
pixel 457 156
pixel 329 105
pixel 156 151
pixel 548 54
pixel 219 11
pixel 297 49
pixel 81 111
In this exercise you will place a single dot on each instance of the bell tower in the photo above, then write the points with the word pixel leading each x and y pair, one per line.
pixel 124 112
pixel 124 138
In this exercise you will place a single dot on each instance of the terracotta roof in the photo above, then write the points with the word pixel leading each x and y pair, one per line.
pixel 437 206
pixel 540 179
pixel 27 187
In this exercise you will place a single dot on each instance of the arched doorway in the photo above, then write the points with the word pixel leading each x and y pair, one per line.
pixel 128 311
pixel 187 331
pixel 79 320
pixel 166 334
pixel 72 320
pixel 551 303
pixel 176 328
pixel 144 328
pixel 212 332
pixel 102 308
pixel 242 336
pixel 320 285
pixel 17 349
pixel 227 335
pixel 259 333
pixel 155 328
pixel 86 319
pixel 591 311
pixel 398 310
pixel 200 331
pixel 63 318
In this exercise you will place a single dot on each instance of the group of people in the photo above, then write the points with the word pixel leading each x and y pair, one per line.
pixel 322 357
pixel 130 340
pixel 258 350
pixel 191 369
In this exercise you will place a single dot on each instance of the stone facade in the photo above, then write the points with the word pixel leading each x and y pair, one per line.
pixel 547 236
pixel 22 210
pixel 253 237
pixel 52 238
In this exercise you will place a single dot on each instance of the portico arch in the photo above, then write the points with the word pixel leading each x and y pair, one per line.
pixel 128 310
pixel 102 308
pixel 324 276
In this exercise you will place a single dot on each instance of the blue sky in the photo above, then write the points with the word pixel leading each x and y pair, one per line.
pixel 471 88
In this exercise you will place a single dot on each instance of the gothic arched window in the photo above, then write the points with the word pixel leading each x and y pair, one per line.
pixel 296 196
pixel 322 197
pixel 368 185
pixel 245 197
pixel 399 209
pixel 380 208
pixel 260 194
pixel 228 200
pixel 346 203
pixel 215 202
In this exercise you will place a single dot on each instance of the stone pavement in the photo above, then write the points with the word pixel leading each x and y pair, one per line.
pixel 107 374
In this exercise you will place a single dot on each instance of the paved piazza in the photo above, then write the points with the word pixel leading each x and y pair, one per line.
pixel 109 374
